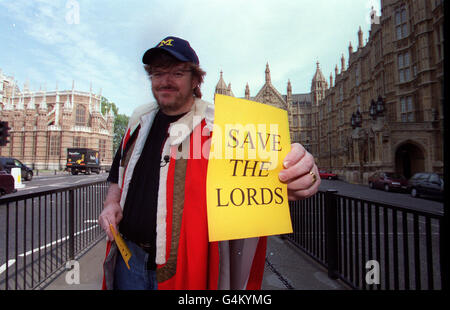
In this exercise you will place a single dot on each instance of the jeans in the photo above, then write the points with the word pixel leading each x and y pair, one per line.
pixel 137 277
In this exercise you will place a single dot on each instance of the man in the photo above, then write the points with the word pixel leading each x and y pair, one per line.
pixel 157 199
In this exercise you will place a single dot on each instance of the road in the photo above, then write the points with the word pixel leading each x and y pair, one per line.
pixel 35 233
pixel 49 182
pixel 395 198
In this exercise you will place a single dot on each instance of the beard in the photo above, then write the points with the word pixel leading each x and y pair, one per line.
pixel 172 99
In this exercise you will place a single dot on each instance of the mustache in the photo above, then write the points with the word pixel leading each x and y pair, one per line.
pixel 167 87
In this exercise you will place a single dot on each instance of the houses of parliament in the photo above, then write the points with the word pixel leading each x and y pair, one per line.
pixel 382 110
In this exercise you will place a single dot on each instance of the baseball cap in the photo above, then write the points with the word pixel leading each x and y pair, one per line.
pixel 177 47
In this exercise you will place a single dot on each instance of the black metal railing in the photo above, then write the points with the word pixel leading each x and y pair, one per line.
pixel 370 245
pixel 41 232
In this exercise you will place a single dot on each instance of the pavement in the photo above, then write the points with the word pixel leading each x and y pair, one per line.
pixel 287 267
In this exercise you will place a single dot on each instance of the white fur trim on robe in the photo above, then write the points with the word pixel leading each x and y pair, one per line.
pixel 161 214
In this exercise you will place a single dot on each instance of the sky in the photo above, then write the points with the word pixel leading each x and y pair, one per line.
pixel 101 42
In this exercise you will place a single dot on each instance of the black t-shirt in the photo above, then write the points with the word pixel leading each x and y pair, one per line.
pixel 139 214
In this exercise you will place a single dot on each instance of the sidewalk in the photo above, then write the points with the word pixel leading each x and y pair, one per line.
pixel 286 268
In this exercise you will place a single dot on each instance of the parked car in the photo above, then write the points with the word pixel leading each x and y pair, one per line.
pixel 327 175
pixel 9 162
pixel 388 181
pixel 6 183
pixel 426 184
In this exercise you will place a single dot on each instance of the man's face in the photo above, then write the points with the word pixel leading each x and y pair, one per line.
pixel 173 88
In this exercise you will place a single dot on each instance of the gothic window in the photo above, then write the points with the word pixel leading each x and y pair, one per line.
pixel 76 141
pixel 401 25
pixel 80 116
pixel 341 94
pixel 79 142
pixel 407 109
pixel 440 42
pixel 102 148
pixel 54 147
pixel 357 74
pixel 403 65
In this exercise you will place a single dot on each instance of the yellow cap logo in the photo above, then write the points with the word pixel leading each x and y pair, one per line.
pixel 167 42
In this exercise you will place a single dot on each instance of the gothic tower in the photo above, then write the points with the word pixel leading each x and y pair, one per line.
pixel 318 86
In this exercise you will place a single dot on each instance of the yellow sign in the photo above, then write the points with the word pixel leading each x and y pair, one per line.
pixel 244 195
pixel 123 248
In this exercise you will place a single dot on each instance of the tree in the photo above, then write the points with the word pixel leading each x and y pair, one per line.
pixel 120 126
pixel 120 121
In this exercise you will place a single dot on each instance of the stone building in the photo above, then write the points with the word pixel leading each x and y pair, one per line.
pixel 299 106
pixel 45 123
pixel 383 110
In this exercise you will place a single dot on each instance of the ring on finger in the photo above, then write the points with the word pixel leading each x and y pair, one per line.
pixel 314 178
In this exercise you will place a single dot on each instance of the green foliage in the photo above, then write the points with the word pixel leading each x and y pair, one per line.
pixel 120 121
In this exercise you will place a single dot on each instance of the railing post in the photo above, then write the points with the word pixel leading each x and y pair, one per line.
pixel 71 223
pixel 331 221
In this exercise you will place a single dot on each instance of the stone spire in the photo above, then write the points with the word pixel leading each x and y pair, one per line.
pixel 360 38
pixel 67 105
pixel 221 87
pixel 43 105
pixel 31 104
pixel 247 92
pixel 289 92
pixel 342 63
pixel 318 85
pixel 268 81
pixel 229 91
pixel 331 80
pixel 350 49
pixel 20 105
pixel 318 76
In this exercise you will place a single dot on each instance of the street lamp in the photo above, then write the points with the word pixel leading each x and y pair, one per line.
pixel 380 105
pixel 373 109
pixel 358 119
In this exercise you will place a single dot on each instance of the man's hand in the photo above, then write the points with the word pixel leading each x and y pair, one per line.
pixel 112 211
pixel 298 164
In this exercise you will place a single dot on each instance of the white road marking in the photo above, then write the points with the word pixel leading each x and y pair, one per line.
pixel 54 242
pixel 10 263
pixel 13 261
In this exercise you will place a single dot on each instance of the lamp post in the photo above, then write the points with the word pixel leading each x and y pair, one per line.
pixel 380 105
pixel 358 118
pixel 373 109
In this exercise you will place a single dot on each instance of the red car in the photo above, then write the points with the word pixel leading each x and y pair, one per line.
pixel 388 181
pixel 6 183
pixel 327 175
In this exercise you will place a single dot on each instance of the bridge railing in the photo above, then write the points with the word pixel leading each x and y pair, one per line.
pixel 370 245
pixel 41 232
pixel 366 244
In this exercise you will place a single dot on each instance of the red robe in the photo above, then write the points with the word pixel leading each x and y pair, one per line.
pixel 191 261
